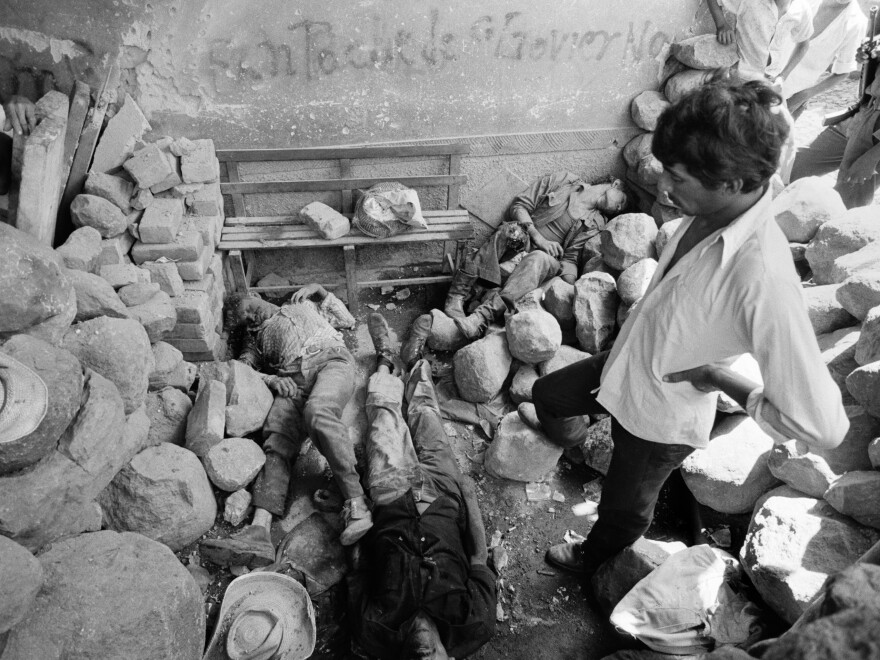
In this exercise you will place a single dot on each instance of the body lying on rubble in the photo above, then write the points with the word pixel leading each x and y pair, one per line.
pixel 313 378
pixel 420 585
pixel 725 285
pixel 549 228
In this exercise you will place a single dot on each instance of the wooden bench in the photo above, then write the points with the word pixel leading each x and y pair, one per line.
pixel 245 235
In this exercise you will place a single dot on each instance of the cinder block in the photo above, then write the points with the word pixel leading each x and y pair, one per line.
pixel 173 177
pixel 194 345
pixel 122 274
pixel 114 189
pixel 164 273
pixel 193 307
pixel 186 247
pixel 149 166
pixel 118 140
pixel 196 270
pixel 161 221
pixel 194 330
pixel 200 166
pixel 115 250
pixel 208 200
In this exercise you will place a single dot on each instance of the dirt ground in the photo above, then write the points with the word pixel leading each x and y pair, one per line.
pixel 543 612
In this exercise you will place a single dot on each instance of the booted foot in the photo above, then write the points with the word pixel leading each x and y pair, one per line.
pixel 529 416
pixel 380 334
pixel 454 307
pixel 251 546
pixel 414 345
pixel 472 326
pixel 567 556
pixel 357 519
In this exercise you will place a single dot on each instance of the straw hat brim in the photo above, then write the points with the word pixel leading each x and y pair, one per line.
pixel 24 402
pixel 284 596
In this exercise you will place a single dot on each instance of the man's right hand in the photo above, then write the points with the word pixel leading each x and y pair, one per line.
pixel 308 291
pixel 20 115
pixel 283 386
pixel 724 33
pixel 552 248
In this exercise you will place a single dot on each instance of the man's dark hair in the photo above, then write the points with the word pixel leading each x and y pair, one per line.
pixel 724 131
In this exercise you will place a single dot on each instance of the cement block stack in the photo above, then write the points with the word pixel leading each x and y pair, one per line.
pixel 159 210
pixel 690 63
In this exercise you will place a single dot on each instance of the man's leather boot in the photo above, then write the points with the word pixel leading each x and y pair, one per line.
pixel 380 334
pixel 459 290
pixel 414 345
pixel 474 325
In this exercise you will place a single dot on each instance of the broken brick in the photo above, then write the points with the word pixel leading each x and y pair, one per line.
pixel 112 188
pixel 164 273
pixel 149 166
pixel 200 166
pixel 161 221
pixel 186 247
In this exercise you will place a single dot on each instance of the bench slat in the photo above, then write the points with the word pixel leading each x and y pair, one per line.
pixel 304 231
pixel 333 153
pixel 265 242
pixel 274 220
pixel 321 185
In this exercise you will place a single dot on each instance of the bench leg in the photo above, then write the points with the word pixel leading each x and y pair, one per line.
pixel 460 254
pixel 351 284
pixel 236 269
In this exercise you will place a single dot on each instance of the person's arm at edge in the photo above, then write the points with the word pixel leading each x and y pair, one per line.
pixel 723 32
pixel 800 50
pixel 797 99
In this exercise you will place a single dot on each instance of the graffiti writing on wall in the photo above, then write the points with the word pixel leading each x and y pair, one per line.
pixel 311 50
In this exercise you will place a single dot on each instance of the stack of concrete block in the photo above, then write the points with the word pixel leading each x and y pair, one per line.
pixel 165 196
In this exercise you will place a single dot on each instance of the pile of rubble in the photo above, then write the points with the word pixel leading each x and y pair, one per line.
pixel 812 514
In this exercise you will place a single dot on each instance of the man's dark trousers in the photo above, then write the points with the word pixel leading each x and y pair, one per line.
pixel 638 467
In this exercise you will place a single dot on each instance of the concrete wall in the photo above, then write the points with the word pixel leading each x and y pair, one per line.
pixel 275 72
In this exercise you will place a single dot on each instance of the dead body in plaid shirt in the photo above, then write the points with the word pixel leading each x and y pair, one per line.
pixel 313 377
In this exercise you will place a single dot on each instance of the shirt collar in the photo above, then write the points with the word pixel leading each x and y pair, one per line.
pixel 739 230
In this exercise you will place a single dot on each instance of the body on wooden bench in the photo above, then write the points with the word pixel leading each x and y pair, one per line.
pixel 244 235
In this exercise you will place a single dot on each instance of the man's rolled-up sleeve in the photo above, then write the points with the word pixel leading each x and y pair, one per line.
pixel 799 399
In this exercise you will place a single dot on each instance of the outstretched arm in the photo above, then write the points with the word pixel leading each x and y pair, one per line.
pixel 308 292
pixel 475 534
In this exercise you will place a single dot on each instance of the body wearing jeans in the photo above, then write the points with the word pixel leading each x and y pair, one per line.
pixel 415 551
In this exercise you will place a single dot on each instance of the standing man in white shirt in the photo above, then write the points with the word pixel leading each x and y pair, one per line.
pixel 725 285
pixel 838 29
pixel 771 36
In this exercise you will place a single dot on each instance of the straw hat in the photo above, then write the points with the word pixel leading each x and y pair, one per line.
pixel 24 399
pixel 264 616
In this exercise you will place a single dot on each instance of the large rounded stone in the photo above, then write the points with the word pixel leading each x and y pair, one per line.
pixel 164 494
pixel 847 265
pixel 565 356
pixel 55 497
pixel 868 343
pixel 118 349
pixel 847 635
pixel 857 495
pixel 634 281
pixel 82 249
pixel 595 310
pixel 521 385
pixel 21 577
pixel 33 288
pixel 825 312
pixel 731 473
pixel 482 367
pixel 794 543
pixel 637 148
pixel 793 463
pixel 95 297
pixel 852 453
pixel 519 452
pixel 864 384
pixel 628 238
pixel 168 410
pixel 860 293
pixel 682 83
pixel 248 400
pixel 804 206
pixel 533 336
pixel 233 463
pixel 98 213
pixel 665 233
pixel 705 52
pixel 846 233
pixel 63 375
pixel 646 109
pixel 559 301
pixel 110 595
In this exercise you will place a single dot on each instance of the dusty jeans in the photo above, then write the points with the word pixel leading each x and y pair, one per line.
pixel 638 467
pixel 395 462
pixel 315 413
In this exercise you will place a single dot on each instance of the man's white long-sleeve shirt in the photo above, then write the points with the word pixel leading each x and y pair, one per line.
pixel 735 292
